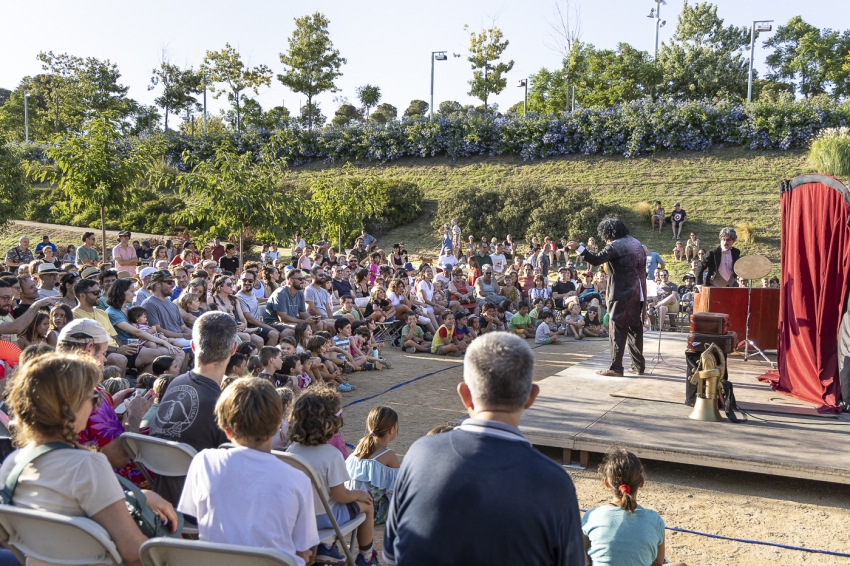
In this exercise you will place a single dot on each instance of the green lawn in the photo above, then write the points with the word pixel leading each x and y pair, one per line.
pixel 722 187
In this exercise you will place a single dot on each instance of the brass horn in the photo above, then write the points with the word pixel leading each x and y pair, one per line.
pixel 707 379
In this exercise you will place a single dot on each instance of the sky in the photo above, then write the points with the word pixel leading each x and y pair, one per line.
pixel 386 43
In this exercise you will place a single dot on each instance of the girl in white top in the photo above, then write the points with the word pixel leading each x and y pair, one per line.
pixel 71 481
pixel 373 467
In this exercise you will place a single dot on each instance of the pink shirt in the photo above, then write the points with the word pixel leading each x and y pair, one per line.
pixel 125 253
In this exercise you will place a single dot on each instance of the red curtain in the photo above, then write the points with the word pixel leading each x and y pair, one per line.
pixel 815 271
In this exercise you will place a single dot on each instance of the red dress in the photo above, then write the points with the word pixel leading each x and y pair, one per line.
pixel 462 289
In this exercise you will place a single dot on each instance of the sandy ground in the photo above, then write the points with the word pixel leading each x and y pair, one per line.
pixel 729 503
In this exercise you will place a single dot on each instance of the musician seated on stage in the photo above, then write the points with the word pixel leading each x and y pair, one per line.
pixel 668 297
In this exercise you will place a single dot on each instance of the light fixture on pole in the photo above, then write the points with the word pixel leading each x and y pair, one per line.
pixel 763 25
pixel 524 83
pixel 205 104
pixel 435 56
pixel 655 14
pixel 26 119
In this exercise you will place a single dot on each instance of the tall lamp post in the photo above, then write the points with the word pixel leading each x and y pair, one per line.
pixel 655 14
pixel 205 105
pixel 26 119
pixel 763 25
pixel 435 56
pixel 524 83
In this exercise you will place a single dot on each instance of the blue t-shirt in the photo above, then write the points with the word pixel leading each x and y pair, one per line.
pixel 115 317
pixel 653 260
pixel 620 538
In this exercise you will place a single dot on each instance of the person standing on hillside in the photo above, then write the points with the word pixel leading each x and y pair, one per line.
pixel 626 265
pixel 457 243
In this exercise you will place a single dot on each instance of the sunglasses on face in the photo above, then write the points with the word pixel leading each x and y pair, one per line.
pixel 95 293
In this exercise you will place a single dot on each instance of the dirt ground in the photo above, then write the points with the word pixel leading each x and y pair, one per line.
pixel 728 503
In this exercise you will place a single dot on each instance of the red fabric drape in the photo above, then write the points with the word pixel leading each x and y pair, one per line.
pixel 815 262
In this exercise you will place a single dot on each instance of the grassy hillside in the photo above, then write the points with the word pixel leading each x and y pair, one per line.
pixel 718 188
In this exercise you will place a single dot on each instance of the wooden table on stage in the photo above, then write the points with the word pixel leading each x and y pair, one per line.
pixel 764 311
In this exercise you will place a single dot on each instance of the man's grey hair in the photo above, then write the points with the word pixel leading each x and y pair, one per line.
pixel 498 370
pixel 214 335
pixel 729 231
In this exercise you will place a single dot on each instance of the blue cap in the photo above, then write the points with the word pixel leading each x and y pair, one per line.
pixel 409 267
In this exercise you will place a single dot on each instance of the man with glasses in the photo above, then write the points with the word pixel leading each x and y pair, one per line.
pixel 286 306
pixel 87 254
pixel 11 327
pixel 165 314
pixel 124 254
pixel 668 298
pixel 88 294
pixel 487 288
pixel 251 309
pixel 341 285
pixel 47 276
pixel 28 294
pixel 19 255
pixel 562 287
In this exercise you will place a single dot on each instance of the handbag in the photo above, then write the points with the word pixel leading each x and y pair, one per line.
pixel 145 518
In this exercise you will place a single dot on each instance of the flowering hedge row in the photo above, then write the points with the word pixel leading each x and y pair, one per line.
pixel 630 129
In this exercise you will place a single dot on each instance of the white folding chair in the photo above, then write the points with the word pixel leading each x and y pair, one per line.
pixel 177 552
pixel 338 531
pixel 162 457
pixel 55 538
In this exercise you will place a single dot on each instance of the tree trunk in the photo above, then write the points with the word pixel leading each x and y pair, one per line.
pixel 103 233
pixel 57 108
pixel 241 257
pixel 166 119
pixel 310 113
pixel 339 237
pixel 238 131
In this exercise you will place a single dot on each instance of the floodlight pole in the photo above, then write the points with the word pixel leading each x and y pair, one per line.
pixel 431 108
pixel 26 119
pixel 205 106
pixel 752 48
pixel 524 83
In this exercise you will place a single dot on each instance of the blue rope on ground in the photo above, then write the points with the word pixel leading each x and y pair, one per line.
pixel 749 541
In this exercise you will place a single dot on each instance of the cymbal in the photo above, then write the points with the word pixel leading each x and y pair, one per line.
pixel 753 267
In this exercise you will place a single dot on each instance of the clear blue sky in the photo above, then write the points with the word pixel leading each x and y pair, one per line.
pixel 387 43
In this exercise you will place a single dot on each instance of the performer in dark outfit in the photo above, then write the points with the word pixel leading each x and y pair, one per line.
pixel 626 296
pixel 719 265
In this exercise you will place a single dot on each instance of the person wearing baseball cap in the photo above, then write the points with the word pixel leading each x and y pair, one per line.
pixel 163 313
pixel 143 279
pixel 47 276
pixel 124 254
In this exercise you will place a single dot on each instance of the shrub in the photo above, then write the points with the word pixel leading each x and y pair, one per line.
pixel 746 232
pixel 643 210
pixel 830 153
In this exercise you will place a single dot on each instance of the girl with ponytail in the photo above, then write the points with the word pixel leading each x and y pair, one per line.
pixel 623 532
pixel 373 467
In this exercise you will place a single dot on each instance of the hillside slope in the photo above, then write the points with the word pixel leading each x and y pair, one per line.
pixel 718 188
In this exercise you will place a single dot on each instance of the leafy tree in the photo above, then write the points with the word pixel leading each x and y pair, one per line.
pixel 615 76
pixel 547 93
pixel 485 53
pixel 416 109
pixel 369 96
pixel 705 59
pixel 771 90
pixel 5 93
pixel 449 108
pixel 808 57
pixel 63 68
pixel 516 109
pixel 384 113
pixel 345 114
pixel 341 200
pixel 179 88
pixel 216 126
pixel 226 67
pixel 312 62
pixel 97 168
pixel 311 115
pixel 16 187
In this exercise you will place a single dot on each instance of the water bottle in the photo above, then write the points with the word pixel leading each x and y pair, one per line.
pixel 375 353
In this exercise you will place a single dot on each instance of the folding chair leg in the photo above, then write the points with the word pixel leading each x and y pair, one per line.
pixel 348 549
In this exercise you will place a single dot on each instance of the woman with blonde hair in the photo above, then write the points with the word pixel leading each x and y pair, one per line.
pixel 56 475
pixel 373 467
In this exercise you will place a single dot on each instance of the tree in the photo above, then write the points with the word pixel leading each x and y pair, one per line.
pixel 312 62
pixel 384 113
pixel 807 57
pixel 311 115
pixel 449 108
pixel 226 66
pixel 345 114
pixel 16 187
pixel 486 48
pixel 705 59
pixel 615 76
pixel 62 67
pixel 234 191
pixel 97 168
pixel 369 96
pixel 5 93
pixel 565 39
pixel 179 87
pixel 416 109
pixel 341 200
pixel 547 93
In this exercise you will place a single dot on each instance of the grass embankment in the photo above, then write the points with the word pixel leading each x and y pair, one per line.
pixel 719 188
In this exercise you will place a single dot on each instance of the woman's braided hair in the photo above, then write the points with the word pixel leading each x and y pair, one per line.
pixel 45 394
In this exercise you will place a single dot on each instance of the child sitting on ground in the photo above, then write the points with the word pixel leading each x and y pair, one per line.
pixel 344 340
pixel 445 340
pixel 545 334
pixel 623 532
pixel 574 322
pixel 287 345
pixel 534 313
pixel 474 327
pixel 280 498
pixel 413 337
pixel 292 367
pixel 679 251
pixel 373 467
pixel 593 324
pixel 314 419
pixel 317 346
pixel 281 439
pixel 461 328
pixel 254 366
pixel 365 342
pixel 271 361
pixel 520 323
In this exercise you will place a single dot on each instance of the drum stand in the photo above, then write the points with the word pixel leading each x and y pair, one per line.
pixel 658 358
pixel 747 341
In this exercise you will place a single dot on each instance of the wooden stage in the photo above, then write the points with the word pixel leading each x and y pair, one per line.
pixel 580 412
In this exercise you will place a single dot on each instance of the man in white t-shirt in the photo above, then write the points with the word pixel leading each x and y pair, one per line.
pixel 275 509
pixel 499 261
pixel 447 261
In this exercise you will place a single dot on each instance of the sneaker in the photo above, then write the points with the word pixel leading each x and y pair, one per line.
pixel 410 350
pixel 368 367
pixel 373 559
pixel 330 555
pixel 346 387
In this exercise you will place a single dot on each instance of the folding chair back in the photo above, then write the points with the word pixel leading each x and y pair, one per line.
pixel 55 538
pixel 338 531
pixel 177 552
pixel 162 457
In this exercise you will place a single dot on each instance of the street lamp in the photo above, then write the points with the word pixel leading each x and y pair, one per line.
pixel 524 83
pixel 205 104
pixel 655 14
pixel 26 119
pixel 435 56
pixel 765 26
